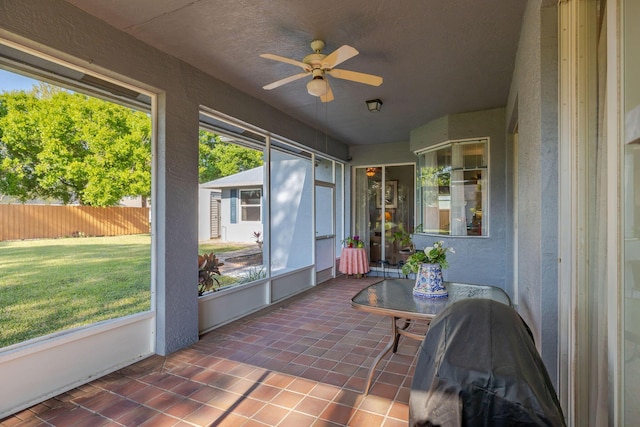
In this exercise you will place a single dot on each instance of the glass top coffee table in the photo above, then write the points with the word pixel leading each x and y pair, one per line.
pixel 394 298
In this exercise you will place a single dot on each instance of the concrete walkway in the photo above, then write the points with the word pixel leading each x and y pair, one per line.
pixel 237 269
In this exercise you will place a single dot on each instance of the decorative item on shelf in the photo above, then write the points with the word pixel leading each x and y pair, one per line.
pixel 428 266
pixel 353 242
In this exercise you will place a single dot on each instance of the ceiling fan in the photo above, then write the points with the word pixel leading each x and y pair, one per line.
pixel 319 66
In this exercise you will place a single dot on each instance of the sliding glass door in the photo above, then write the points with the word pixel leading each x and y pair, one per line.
pixel 384 211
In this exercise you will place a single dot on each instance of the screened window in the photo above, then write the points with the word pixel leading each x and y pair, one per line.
pixel 87 192
pixel 250 205
pixel 453 180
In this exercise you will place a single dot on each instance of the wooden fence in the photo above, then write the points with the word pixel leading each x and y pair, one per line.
pixel 47 221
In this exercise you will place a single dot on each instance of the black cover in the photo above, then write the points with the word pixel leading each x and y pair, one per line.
pixel 478 366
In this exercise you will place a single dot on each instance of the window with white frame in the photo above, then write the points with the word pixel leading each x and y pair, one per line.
pixel 250 205
pixel 453 183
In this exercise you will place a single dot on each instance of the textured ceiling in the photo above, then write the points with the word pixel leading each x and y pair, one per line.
pixel 436 57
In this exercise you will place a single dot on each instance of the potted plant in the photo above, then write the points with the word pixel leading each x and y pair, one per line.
pixel 403 238
pixel 428 266
pixel 353 242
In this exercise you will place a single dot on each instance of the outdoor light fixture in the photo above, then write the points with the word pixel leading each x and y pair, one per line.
pixel 374 105
pixel 370 172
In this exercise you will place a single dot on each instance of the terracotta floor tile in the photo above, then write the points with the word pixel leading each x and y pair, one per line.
pixel 399 410
pixel 304 364
pixel 314 374
pixel 187 388
pixel 137 416
pixel 392 422
pixel 164 401
pixel 183 408
pixel 278 380
pixel 247 407
pixel 297 419
pixel 287 399
pixel 270 414
pixel 365 419
pixel 160 420
pixel 265 392
pixel 324 391
pixel 204 416
pixel 255 423
pixel 335 378
pixel 375 404
pixel 388 391
pixel 311 405
pixel 146 394
pixel 337 413
pixel 120 409
pixel 73 416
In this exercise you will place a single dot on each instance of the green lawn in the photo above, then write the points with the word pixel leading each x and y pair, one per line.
pixel 51 285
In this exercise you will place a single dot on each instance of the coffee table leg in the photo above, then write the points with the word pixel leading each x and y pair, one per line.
pixel 392 344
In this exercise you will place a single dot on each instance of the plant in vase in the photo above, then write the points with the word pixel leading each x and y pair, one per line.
pixel 353 242
pixel 428 266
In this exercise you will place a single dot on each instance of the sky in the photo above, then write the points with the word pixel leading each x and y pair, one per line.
pixel 11 81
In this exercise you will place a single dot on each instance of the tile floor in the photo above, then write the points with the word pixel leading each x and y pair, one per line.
pixel 302 363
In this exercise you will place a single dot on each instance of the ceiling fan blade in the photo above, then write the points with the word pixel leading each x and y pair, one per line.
pixel 285 81
pixel 338 56
pixel 304 66
pixel 327 97
pixel 354 76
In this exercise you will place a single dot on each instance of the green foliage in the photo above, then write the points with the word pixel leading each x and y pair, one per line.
pixel 208 268
pixel 436 254
pixel 353 242
pixel 401 236
pixel 219 159
pixel 58 145
pixel 70 147
pixel 252 274
pixel 51 285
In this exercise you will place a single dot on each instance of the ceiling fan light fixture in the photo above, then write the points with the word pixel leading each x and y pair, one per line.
pixel 317 86
pixel 374 105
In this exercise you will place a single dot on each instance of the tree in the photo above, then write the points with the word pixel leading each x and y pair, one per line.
pixel 219 159
pixel 70 147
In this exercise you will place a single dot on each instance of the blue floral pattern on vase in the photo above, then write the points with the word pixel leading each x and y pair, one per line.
pixel 429 282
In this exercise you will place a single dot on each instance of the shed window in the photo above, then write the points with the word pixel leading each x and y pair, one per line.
pixel 250 205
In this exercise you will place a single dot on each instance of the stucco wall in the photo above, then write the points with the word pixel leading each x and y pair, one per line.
pixel 480 260
pixel 533 106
